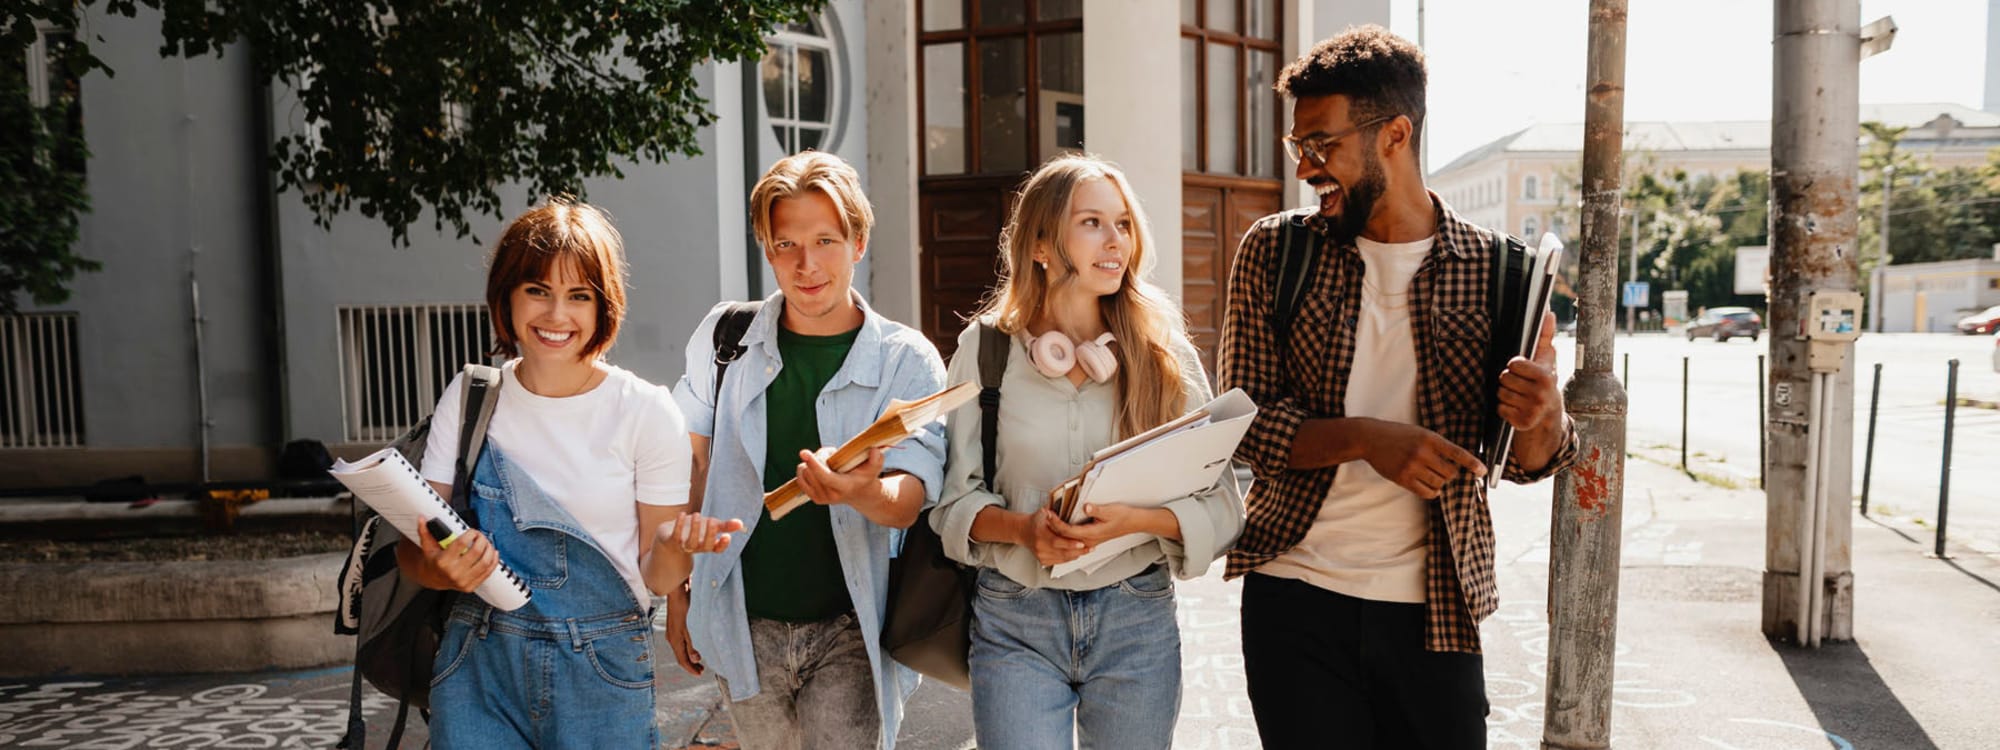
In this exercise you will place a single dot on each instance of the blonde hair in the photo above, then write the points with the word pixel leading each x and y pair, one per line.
pixel 1141 315
pixel 563 230
pixel 812 170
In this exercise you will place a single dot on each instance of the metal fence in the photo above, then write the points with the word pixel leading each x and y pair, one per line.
pixel 41 390
pixel 395 360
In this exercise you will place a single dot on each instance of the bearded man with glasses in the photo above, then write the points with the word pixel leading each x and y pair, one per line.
pixel 1368 548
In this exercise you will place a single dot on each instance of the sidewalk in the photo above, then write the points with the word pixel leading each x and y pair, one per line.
pixel 1693 669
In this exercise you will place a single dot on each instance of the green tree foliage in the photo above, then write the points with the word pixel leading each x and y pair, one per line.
pixel 42 156
pixel 415 105
pixel 1934 214
pixel 1689 229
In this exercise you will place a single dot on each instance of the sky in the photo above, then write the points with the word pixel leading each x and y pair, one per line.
pixel 1497 67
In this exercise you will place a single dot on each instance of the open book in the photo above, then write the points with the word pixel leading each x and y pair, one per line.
pixel 1174 460
pixel 389 484
pixel 897 423
pixel 1517 336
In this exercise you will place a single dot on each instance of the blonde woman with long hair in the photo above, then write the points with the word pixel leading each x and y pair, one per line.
pixel 1095 354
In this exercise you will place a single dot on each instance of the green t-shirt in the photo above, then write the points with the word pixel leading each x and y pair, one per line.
pixel 791 569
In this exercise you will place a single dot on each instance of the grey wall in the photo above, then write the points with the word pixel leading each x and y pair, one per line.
pixel 665 212
pixel 173 190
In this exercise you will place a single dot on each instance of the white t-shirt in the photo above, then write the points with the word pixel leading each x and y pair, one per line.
pixel 595 453
pixel 1368 540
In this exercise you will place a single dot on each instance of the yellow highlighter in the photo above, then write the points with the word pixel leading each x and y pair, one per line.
pixel 441 532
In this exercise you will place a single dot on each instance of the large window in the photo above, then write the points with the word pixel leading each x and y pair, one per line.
pixel 801 88
pixel 41 390
pixel 1229 113
pixel 1002 84
pixel 396 360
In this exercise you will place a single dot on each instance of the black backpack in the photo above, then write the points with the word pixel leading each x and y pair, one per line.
pixel 1506 299
pixel 396 623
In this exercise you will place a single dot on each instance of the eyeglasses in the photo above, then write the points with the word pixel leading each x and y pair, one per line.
pixel 1314 149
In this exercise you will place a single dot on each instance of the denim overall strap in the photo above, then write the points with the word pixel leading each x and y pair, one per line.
pixel 571 576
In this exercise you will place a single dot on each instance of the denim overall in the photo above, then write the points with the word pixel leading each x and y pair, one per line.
pixel 573 668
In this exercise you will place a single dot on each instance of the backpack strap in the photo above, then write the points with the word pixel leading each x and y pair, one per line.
pixel 993 354
pixel 728 338
pixel 482 391
pixel 1298 253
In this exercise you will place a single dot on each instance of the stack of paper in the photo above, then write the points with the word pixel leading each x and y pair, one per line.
pixel 1177 459
pixel 901 420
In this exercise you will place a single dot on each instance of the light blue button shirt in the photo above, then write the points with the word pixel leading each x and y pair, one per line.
pixel 889 361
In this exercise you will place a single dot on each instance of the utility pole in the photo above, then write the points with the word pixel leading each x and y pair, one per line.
pixel 1589 498
pixel 1808 589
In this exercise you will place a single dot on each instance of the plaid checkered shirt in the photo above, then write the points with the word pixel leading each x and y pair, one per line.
pixel 1306 378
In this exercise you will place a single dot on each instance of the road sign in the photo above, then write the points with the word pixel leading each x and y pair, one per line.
pixel 1636 293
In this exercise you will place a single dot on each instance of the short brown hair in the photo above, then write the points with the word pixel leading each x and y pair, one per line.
pixel 561 230
pixel 812 170
pixel 1381 74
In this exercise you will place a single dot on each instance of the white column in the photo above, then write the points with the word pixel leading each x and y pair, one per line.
pixel 891 101
pixel 731 210
pixel 1132 88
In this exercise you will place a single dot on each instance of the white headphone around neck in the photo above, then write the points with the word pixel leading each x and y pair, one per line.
pixel 1054 355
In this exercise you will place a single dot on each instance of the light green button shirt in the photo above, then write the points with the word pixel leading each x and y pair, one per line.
pixel 1048 431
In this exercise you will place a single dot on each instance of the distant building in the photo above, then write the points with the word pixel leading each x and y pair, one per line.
pixel 1521 180
pixel 1931 297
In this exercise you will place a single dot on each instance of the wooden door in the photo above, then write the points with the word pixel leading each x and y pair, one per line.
pixel 1230 151
pixel 1215 214
pixel 1002 89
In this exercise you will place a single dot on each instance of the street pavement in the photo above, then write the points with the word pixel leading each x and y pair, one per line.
pixel 1693 670
pixel 1723 427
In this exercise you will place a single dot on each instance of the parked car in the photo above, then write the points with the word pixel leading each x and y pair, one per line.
pixel 1980 323
pixel 1724 323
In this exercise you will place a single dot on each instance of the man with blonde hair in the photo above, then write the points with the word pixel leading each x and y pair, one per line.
pixel 788 612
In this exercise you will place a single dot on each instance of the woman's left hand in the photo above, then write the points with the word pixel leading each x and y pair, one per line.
pixel 1106 521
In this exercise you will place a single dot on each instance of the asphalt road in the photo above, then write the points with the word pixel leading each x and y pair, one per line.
pixel 1723 427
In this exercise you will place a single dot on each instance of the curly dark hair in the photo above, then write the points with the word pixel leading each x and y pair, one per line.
pixel 1380 73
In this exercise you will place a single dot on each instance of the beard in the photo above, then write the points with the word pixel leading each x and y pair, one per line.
pixel 1357 201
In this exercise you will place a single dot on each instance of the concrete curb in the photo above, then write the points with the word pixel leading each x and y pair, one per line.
pixel 170 617
pixel 77 519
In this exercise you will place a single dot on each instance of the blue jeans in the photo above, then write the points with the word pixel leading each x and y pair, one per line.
pixel 506 682
pixel 1053 668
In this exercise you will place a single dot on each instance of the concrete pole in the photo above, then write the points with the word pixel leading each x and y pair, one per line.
pixel 1589 499
pixel 1815 114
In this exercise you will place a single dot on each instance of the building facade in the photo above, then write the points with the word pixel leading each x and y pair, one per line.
pixel 1931 297
pixel 225 323
pixel 1521 181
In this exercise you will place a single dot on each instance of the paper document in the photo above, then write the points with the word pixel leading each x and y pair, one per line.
pixel 396 490
pixel 1177 459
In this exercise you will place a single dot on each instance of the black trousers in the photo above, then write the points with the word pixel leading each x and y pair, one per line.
pixel 1327 670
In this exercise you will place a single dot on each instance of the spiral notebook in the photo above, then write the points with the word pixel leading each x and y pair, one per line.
pixel 397 491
